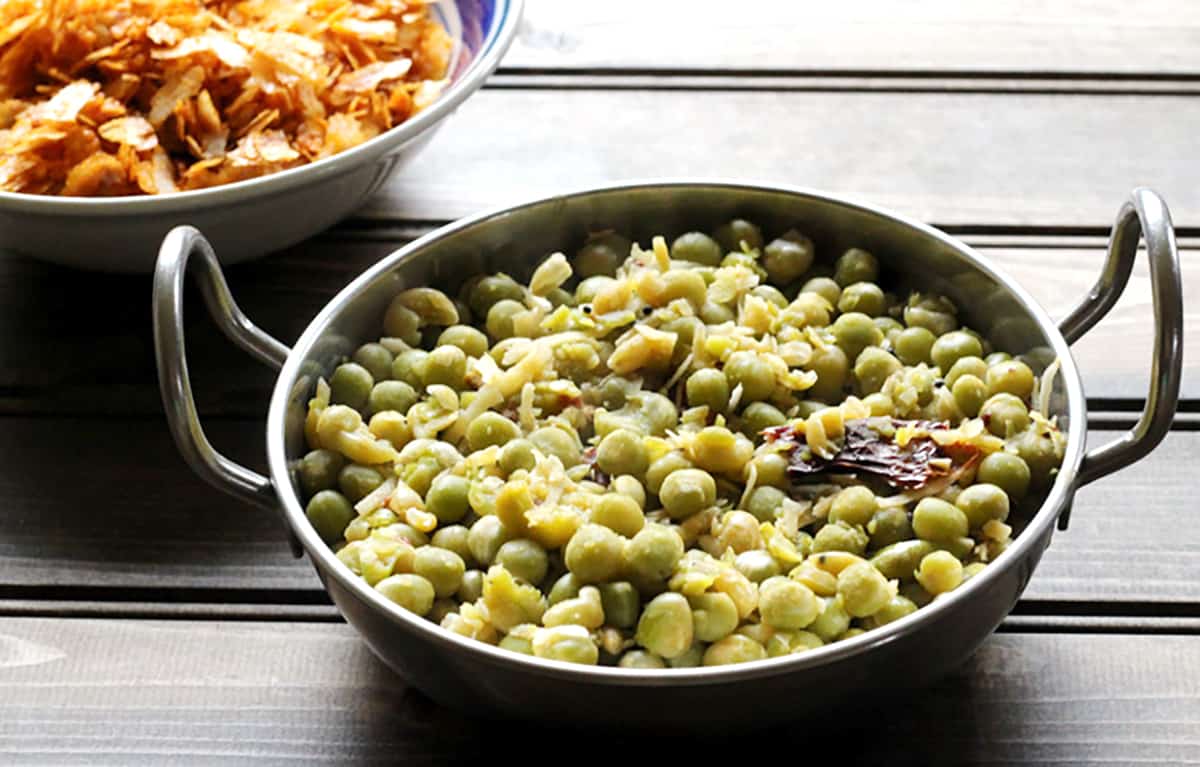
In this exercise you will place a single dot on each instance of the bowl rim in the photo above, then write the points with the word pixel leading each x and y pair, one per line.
pixel 501 33
pixel 324 559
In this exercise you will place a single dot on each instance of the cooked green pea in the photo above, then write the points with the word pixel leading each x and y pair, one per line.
pixel 759 416
pixel 601 254
pixel 329 512
pixel 787 604
pixel 972 366
pixel 472 342
pixel 937 520
pixel 447 498
pixel 350 385
pixel 939 572
pixel 914 346
pixel 441 567
pixel 558 443
pixel 445 365
pixel 1007 471
pixel 770 295
pixel 953 346
pixel 376 359
pixel 391 395
pixel 356 481
pixel 714 615
pixel 854 505
pixel 832 366
pixel 665 627
pixel 855 265
pixel 764 502
pixel 997 357
pixel 1039 453
pixel 752 373
pixel 716 449
pixel 401 322
pixel 969 394
pixel 571 644
pixel 653 553
pixel 838 537
pixel 824 287
pixel 594 553
pixel 710 388
pixel 934 313
pixel 640 659
pixel 862 589
pixel 896 608
pixel 730 236
pixel 873 367
pixel 454 538
pixel 567 586
pixel 888 526
pixel 420 474
pixel 407 367
pixel 715 314
pixel 771 469
pixel 518 644
pixel 619 513
pixel 1004 415
pixel 517 454
pixel 854 331
pixel 524 559
pixel 491 290
pixel 734 648
pixel 660 469
pixel 620 601
pixel 487 535
pixel 981 503
pixel 658 411
pixel 757 565
pixel 899 560
pixel 696 247
pixel 318 470
pixel 412 592
pixel 786 259
pixel 631 488
pixel 471 588
pixel 1011 377
pixel 586 291
pixel 833 620
pixel 491 429
pixel 687 491
pixel 692 657
pixel 500 318
pixel 623 452
pixel 863 297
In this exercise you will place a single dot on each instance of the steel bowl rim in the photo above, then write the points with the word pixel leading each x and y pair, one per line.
pixel 500 36
pixel 325 560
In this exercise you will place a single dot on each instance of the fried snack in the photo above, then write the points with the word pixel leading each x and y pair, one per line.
pixel 130 97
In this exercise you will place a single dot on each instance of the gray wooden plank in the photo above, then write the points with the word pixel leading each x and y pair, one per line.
pixel 1071 36
pixel 108 366
pixel 979 159
pixel 127 514
pixel 284 693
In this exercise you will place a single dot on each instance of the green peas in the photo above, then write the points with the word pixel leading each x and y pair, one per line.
pixel 969 394
pixel 447 498
pixel 855 265
pixel 937 520
pixel 471 588
pixel 517 454
pixel 853 506
pixel 391 395
pixel 420 475
pixel 1010 377
pixel 764 502
pixel 350 385
pixel 519 644
pixel 500 318
pixel 862 589
pixel 734 648
pixel 896 608
pixel 567 586
pixel 631 488
pixel 586 291
pixel 454 538
pixel 356 481
pixel 329 512
pixel 716 450
pixel 687 285
pixel 1008 472
pixel 889 526
pixel 714 615
pixel 755 376
pixel 665 627
pixel 715 314
pixel 833 620
pixel 787 604
pixel 953 346
pixel 560 297
pixel 863 297
pixel 898 560
pixel 873 367
pixel 445 365
pixel 486 537
pixel 376 359
pixel 318 470
pixel 692 657
pixel 442 568
pixel 934 313
pixel 771 468
pixel 571 644
pixel 640 659
pixel 939 572
pixel 653 553
pixel 407 367
pixel 660 469
pixel 855 331
pixel 658 412
pixel 786 259
pixel 730 236
pixel 770 295
pixel 686 492
pixel 838 537
pixel 698 248
pixel 759 416
pixel 594 553
pixel 825 288
pixel 472 342
pixel 412 592
pixel 915 345
pixel 708 387
pixel 832 367
pixel 972 366
pixel 491 290
pixel 524 559
pixel 620 601
pixel 601 255
pixel 491 429
pixel 623 452
pixel 1004 415
pixel 558 443
pixel 401 322
pixel 1039 453
pixel 620 514
pixel 981 503
pixel 757 565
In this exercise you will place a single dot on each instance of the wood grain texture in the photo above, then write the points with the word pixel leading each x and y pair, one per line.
pixel 979 159
pixel 934 36
pixel 133 516
pixel 102 361
pixel 210 692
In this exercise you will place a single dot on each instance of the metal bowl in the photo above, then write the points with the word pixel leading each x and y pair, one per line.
pixel 482 679
pixel 248 219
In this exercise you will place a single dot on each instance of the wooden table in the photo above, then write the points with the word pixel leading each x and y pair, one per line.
pixel 149 619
